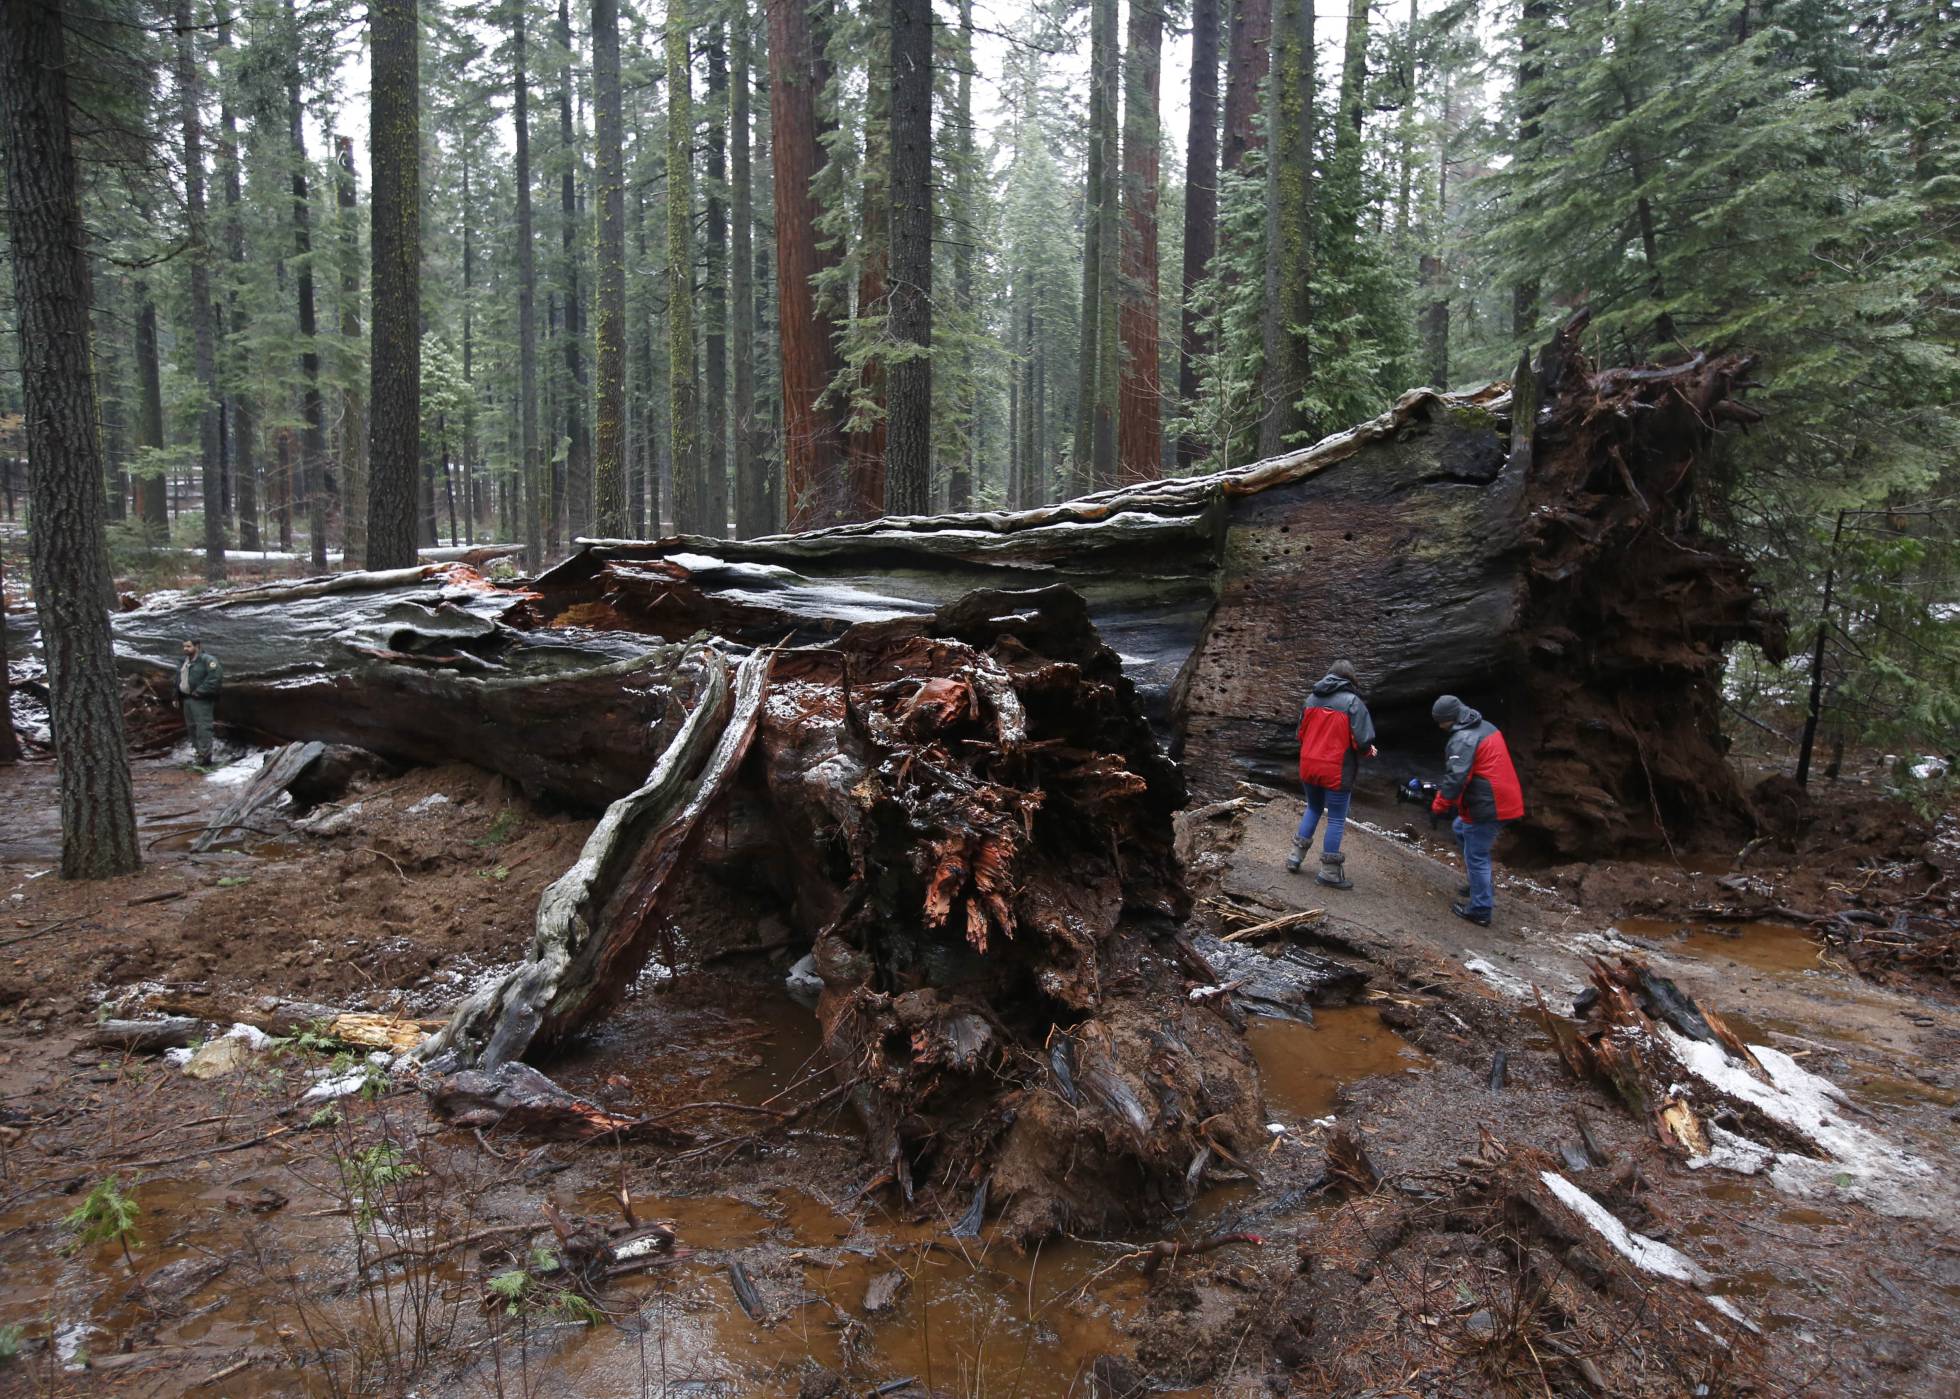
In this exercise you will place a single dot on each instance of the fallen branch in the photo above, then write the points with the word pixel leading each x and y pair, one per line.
pixel 1275 925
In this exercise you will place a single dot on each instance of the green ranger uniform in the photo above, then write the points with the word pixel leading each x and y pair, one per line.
pixel 198 681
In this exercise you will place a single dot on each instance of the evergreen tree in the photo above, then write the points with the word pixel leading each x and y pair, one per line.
pixel 67 553
pixel 396 152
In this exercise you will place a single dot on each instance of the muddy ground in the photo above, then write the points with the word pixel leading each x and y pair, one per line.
pixel 287 1244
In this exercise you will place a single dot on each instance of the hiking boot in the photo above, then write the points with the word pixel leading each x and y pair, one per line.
pixel 1471 915
pixel 1331 873
pixel 1297 858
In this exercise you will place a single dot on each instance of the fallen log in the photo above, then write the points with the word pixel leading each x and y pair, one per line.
pixel 148 1036
pixel 418 665
pixel 1534 548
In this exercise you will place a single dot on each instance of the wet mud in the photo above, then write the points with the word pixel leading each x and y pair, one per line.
pixel 1280 1276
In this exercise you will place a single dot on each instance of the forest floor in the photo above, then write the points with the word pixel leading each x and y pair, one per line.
pixel 263 1209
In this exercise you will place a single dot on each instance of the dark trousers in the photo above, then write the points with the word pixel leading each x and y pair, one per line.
pixel 199 715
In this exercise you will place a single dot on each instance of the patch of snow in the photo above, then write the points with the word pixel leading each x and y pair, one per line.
pixel 1728 1151
pixel 428 804
pixel 238 771
pixel 1503 981
pixel 1278 1129
pixel 1731 1311
pixel 1648 1255
pixel 1859 1163
pixel 253 1036
pixel 179 1056
pixel 1929 767
pixel 70 1343
pixel 342 1085
pixel 330 821
pixel 803 983
pixel 1327 1121
pixel 1202 993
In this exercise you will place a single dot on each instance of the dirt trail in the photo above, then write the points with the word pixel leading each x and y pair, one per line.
pixel 251 1231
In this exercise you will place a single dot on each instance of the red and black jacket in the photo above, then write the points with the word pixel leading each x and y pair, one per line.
pixel 1335 730
pixel 1479 783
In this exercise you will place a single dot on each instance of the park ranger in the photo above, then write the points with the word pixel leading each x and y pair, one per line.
pixel 199 679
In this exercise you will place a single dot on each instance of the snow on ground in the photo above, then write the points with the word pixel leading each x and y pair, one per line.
pixel 1857 1163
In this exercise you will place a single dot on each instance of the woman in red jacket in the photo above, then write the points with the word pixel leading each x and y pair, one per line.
pixel 1336 732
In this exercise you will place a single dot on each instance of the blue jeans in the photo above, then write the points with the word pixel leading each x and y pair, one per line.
pixel 1332 801
pixel 1474 839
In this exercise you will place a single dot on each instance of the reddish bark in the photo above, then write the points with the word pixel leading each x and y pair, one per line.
pixel 1245 82
pixel 1200 203
pixel 816 491
pixel 1140 434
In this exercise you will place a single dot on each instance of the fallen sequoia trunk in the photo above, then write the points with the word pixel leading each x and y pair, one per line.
pixel 419 665
pixel 1534 548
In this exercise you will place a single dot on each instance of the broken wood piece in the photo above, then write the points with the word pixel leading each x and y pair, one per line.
pixel 1170 1250
pixel 1348 1163
pixel 280 769
pixel 148 1036
pixel 519 1097
pixel 1275 925
pixel 745 1292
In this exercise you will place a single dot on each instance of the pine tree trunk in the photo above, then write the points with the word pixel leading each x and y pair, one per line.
pixel 815 489
pixel 1140 416
pixel 1094 454
pixel 959 481
pixel 1352 112
pixel 313 409
pixel 153 490
pixel 527 297
pixel 908 461
pixel 750 490
pixel 9 740
pixel 354 430
pixel 683 424
pixel 1405 133
pixel 1200 209
pixel 66 549
pixel 472 501
pixel 1533 19
pixel 190 97
pixel 714 294
pixel 578 449
pixel 243 421
pixel 645 504
pixel 867 444
pixel 1082 476
pixel 394 431
pixel 609 440
pixel 1289 229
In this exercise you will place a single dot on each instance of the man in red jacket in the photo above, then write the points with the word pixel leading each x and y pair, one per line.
pixel 1481 788
pixel 1336 732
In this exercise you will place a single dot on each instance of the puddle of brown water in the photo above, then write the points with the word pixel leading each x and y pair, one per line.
pixel 52 1287
pixel 1768 947
pixel 1302 1068
pixel 975 1316
pixel 764 1050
